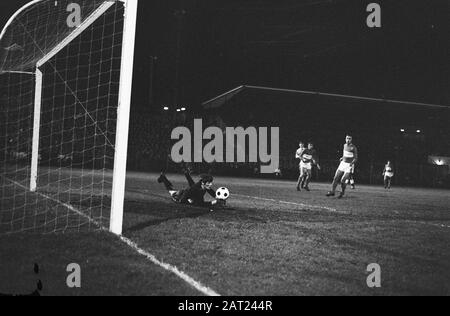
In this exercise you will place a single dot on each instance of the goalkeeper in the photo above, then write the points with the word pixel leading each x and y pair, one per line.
pixel 195 194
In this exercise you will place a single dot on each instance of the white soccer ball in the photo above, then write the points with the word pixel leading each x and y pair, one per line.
pixel 222 194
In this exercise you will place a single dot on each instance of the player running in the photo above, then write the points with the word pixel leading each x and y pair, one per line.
pixel 298 155
pixel 348 161
pixel 195 194
pixel 308 158
pixel 388 174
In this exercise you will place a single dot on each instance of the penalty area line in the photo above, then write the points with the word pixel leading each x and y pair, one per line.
pixel 168 267
pixel 289 203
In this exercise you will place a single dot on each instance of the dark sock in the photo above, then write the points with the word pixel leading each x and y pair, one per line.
pixel 343 186
pixel 189 179
pixel 167 183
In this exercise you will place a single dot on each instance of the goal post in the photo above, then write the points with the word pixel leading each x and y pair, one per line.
pixel 36 129
pixel 123 117
pixel 65 137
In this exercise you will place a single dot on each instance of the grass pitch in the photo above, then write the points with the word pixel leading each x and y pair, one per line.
pixel 271 240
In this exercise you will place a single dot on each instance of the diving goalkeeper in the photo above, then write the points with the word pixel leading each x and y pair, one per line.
pixel 195 194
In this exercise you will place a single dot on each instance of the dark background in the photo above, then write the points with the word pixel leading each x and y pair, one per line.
pixel 206 47
pixel 190 51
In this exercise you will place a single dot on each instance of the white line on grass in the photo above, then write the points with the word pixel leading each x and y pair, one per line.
pixel 440 225
pixel 195 284
pixel 289 203
pixel 435 225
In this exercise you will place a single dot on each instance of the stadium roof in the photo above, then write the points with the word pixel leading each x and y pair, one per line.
pixel 222 99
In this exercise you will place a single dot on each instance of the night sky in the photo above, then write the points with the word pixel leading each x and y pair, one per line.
pixel 207 47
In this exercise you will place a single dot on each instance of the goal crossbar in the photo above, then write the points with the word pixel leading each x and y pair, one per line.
pixel 78 30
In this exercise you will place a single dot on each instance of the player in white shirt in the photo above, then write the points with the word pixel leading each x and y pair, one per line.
pixel 348 160
pixel 308 159
pixel 388 174
pixel 298 155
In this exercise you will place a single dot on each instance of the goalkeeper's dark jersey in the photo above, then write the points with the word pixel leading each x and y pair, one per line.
pixel 195 195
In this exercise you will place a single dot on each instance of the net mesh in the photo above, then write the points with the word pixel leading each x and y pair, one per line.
pixel 79 100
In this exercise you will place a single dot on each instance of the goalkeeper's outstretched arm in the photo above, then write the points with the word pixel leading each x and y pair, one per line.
pixel 212 193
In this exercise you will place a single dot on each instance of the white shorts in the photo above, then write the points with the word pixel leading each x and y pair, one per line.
pixel 389 174
pixel 304 165
pixel 345 167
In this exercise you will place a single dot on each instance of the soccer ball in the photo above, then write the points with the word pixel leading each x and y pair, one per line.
pixel 222 194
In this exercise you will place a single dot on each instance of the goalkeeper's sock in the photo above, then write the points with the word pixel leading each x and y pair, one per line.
pixel 163 179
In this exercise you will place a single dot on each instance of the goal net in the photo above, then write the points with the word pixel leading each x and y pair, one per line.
pixel 65 87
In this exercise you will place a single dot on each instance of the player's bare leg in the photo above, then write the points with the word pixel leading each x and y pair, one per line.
pixel 336 181
pixel 300 180
pixel 344 182
pixel 387 183
pixel 305 176
pixel 307 180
